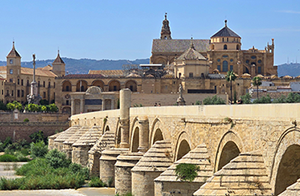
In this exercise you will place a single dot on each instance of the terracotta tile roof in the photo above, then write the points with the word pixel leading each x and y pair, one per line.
pixel 179 45
pixel 107 72
pixel 38 72
pixel 13 52
pixel 82 76
pixel 29 71
pixel 46 68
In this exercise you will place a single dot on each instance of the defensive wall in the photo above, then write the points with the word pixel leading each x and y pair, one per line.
pixel 12 124
pixel 241 149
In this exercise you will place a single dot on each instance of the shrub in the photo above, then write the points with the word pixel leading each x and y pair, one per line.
pixel 213 101
pixel 26 120
pixel 57 159
pixel 186 172
pixel 246 99
pixel 38 149
pixel 8 158
pixel 266 99
pixel 96 182
pixel 37 136
pixel 53 108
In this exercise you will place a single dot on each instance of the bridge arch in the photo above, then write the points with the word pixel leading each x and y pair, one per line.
pixel 135 140
pixel 230 146
pixel 285 167
pixel 183 145
pixel 156 133
pixel 118 134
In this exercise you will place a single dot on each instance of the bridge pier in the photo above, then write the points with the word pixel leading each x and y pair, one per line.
pixel 108 160
pixel 143 134
pixel 125 162
pixel 155 161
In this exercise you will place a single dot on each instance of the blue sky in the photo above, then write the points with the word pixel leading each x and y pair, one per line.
pixel 125 29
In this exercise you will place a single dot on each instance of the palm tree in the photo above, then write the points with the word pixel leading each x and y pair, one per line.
pixel 230 76
pixel 256 81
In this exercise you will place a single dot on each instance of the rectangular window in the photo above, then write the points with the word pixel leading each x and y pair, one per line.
pixel 22 93
pixel 22 82
pixel 27 82
pixel 44 95
pixel 18 93
pixel 259 70
pixel 12 93
pixel 190 75
pixel 231 67
pixel 18 81
pixel 44 84
pixel 7 93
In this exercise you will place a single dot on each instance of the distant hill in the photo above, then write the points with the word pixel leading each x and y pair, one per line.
pixel 292 69
pixel 82 66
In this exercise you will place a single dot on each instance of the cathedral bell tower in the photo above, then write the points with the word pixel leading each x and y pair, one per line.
pixel 58 66
pixel 165 30
pixel 13 64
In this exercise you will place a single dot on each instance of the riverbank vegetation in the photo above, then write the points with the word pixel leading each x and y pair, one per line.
pixel 54 171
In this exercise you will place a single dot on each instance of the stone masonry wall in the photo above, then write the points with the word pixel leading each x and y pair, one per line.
pixel 22 130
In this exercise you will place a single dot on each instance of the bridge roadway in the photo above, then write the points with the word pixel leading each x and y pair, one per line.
pixel 251 149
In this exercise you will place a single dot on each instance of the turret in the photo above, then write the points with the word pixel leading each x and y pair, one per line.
pixel 58 66
pixel 13 62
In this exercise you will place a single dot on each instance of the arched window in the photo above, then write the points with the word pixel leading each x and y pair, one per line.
pixel 225 47
pixel 237 47
pixel 225 66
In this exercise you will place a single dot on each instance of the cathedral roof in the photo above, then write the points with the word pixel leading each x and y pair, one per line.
pixel 29 71
pixel 58 59
pixel 226 32
pixel 13 52
pixel 191 54
pixel 179 45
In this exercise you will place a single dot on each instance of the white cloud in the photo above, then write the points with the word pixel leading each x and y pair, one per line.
pixel 289 11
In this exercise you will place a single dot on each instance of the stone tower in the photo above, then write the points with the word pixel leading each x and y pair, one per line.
pixel 165 30
pixel 13 68
pixel 58 66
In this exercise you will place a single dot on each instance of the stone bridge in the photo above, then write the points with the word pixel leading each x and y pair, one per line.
pixel 240 149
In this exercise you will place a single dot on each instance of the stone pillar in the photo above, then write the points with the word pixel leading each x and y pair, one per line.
pixel 107 164
pixel 125 102
pixel 112 104
pixel 143 134
pixel 125 162
pixel 81 105
pixel 103 104
pixel 72 106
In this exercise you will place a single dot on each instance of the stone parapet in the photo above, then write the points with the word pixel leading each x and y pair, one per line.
pixel 107 164
pixel 125 162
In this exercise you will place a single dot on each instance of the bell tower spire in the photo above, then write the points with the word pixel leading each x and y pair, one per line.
pixel 165 30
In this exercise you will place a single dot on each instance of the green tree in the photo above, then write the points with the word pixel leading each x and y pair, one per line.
pixel 256 81
pixel 293 98
pixel 14 105
pixel 10 106
pixel 53 108
pixel 266 99
pixel 230 76
pixel 2 106
pixel 38 149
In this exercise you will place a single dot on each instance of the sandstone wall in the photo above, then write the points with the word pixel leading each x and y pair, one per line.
pixel 22 130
